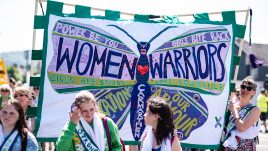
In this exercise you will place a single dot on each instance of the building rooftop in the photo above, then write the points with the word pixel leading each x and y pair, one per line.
pixel 260 50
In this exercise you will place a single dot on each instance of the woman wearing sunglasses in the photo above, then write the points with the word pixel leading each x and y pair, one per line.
pixel 6 93
pixel 23 95
pixel 244 124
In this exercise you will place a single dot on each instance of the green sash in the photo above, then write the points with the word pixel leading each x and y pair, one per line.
pixel 86 140
pixel 231 125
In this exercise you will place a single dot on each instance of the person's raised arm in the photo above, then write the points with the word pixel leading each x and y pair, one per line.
pixel 242 125
pixel 65 140
pixel 115 139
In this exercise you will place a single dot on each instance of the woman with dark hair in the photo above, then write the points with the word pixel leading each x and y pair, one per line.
pixel 14 134
pixel 24 96
pixel 244 124
pixel 160 136
pixel 12 83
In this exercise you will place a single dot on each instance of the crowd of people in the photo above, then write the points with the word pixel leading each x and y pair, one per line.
pixel 86 128
pixel 262 102
pixel 16 129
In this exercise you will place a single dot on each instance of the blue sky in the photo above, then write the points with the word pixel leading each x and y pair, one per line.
pixel 16 27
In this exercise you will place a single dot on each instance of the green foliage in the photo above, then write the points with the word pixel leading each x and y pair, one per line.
pixel 14 72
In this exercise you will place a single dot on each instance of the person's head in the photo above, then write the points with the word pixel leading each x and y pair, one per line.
pixel 248 87
pixel 87 104
pixel 12 83
pixel 5 90
pixel 263 92
pixel 31 99
pixel 13 116
pixel 237 92
pixel 22 94
pixel 36 90
pixel 160 117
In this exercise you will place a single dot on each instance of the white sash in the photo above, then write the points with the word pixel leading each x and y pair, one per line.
pixel 91 139
pixel 8 143
pixel 148 142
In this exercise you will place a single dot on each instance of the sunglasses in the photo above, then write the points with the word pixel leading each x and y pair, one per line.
pixel 248 87
pixel 4 90
pixel 36 88
pixel 20 95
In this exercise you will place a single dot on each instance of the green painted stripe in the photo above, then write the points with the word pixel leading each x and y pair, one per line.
pixel 186 145
pixel 240 31
pixel 124 115
pixel 199 107
pixel 132 142
pixel 112 15
pixel 232 86
pixel 40 22
pixel 31 112
pixel 201 17
pixel 143 18
pixel 66 90
pixel 35 81
pixel 37 54
pixel 204 110
pixel 104 93
pixel 82 11
pixel 100 93
pixel 236 60
pixel 94 81
pixel 228 16
pixel 177 84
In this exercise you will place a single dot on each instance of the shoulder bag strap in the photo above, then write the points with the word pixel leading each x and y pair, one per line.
pixel 107 132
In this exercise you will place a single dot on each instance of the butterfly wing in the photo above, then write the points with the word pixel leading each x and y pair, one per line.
pixel 193 60
pixel 189 109
pixel 87 57
pixel 114 103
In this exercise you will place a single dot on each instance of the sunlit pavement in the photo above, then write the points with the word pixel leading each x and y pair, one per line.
pixel 263 145
pixel 263 138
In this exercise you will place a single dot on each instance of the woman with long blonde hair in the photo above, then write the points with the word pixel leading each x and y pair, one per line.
pixel 85 130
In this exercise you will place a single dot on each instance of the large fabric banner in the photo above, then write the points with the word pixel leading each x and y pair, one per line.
pixel 125 62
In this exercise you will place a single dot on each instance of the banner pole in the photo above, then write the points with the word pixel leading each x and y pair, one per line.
pixel 160 16
pixel 240 49
pixel 34 38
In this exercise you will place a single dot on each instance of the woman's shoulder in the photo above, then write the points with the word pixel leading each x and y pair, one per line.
pixel 256 110
pixel 31 141
pixel 109 120
pixel 110 123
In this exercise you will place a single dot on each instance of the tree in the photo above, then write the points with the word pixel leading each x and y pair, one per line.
pixel 14 72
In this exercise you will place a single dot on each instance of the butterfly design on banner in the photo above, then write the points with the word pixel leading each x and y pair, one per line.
pixel 122 79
